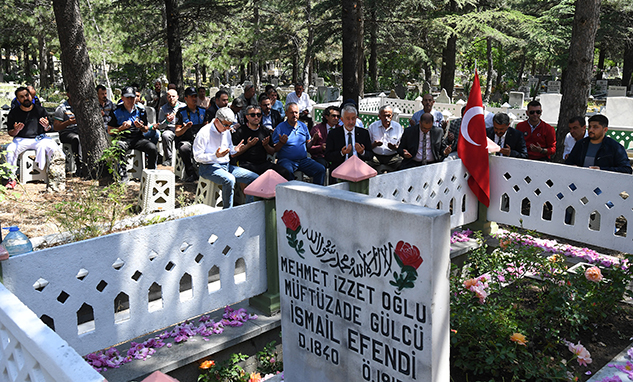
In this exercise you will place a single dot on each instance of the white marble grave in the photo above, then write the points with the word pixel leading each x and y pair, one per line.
pixel 516 99
pixel 364 287
pixel 550 104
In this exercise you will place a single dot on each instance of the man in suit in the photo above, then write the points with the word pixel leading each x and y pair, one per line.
pixel 510 140
pixel 270 118
pixel 347 140
pixel 423 145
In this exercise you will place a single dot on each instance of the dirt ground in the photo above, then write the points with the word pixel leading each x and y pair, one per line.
pixel 30 207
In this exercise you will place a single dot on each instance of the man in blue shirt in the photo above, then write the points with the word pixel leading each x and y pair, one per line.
pixel 189 120
pixel 291 139
pixel 599 151
pixel 130 122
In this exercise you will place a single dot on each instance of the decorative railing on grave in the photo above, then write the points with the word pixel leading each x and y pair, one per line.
pixel 624 135
pixel 110 289
pixel 443 186
pixel 29 351
pixel 586 205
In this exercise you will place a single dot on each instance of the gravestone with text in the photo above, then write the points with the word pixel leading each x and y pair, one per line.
pixel 601 86
pixel 364 287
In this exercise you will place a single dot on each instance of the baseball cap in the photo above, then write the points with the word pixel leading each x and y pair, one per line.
pixel 190 91
pixel 129 92
pixel 225 114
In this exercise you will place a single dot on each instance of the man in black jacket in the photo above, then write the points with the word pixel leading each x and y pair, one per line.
pixel 347 140
pixel 430 149
pixel 599 151
pixel 510 140
pixel 270 118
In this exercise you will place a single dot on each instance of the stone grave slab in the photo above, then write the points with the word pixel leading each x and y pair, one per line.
pixel 619 110
pixel 516 99
pixel 601 86
pixel 550 104
pixel 443 97
pixel 553 87
pixel 320 81
pixel 401 91
pixel 362 300
pixel 616 91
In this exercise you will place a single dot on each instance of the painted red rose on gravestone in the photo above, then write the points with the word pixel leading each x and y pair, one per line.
pixel 408 254
pixel 293 226
pixel 408 258
pixel 291 220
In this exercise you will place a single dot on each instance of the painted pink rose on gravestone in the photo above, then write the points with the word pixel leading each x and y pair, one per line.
pixel 293 226
pixel 408 258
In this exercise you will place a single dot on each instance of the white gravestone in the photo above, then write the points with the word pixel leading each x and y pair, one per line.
pixel 443 97
pixel 364 287
pixel 550 104
pixel 553 87
pixel 320 81
pixel 516 99
pixel 601 86
pixel 616 91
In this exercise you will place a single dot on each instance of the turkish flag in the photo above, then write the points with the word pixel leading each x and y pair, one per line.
pixel 472 145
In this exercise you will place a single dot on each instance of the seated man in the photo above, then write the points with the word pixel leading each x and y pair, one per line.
pixel 427 107
pixel 330 118
pixel 454 128
pixel 385 137
pixel 577 131
pixel 347 140
pixel 270 118
pixel 509 139
pixel 105 104
pixel 256 138
pixel 130 122
pixel 423 145
pixel 599 151
pixel 167 124
pixel 220 100
pixel 248 97
pixel 291 138
pixel 211 149
pixel 36 101
pixel 540 138
pixel 276 103
pixel 238 109
pixel 64 122
pixel 189 120
pixel 203 101
pixel 28 124
pixel 302 100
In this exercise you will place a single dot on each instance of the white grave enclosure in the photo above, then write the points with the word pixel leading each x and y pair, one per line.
pixel 364 287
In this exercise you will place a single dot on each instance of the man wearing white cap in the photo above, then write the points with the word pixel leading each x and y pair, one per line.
pixel 213 147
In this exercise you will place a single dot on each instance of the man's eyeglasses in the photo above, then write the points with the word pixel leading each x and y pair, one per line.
pixel 534 112
pixel 335 115
pixel 254 114
pixel 226 124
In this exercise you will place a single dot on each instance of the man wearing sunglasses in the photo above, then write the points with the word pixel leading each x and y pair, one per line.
pixel 540 138
pixel 257 147
pixel 213 147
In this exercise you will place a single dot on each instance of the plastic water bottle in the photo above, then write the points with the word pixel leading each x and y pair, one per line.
pixel 16 242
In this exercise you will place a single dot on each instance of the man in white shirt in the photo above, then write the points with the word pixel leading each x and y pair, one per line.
pixel 427 107
pixel 385 137
pixel 577 131
pixel 213 147
pixel 302 100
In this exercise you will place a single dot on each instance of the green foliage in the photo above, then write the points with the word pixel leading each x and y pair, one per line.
pixel 227 371
pixel 268 360
pixel 93 214
pixel 519 290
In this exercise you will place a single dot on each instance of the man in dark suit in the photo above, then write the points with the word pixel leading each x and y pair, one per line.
pixel 347 140
pixel 424 145
pixel 270 118
pixel 510 140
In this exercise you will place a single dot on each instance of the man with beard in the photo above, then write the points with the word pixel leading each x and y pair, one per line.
pixel 28 124
pixel 167 124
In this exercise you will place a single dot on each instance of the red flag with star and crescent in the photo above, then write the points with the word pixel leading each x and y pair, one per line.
pixel 472 145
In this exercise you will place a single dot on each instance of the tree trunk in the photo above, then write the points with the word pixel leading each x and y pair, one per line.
pixel 51 68
pixel 255 58
pixel 295 62
pixel 198 76
pixel 373 50
pixel 576 86
pixel 352 48
pixel 78 75
pixel 41 44
pixel 26 63
pixel 447 76
pixel 7 60
pixel 204 74
pixel 601 56
pixel 521 69
pixel 173 44
pixel 490 69
pixel 627 71
pixel 308 59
